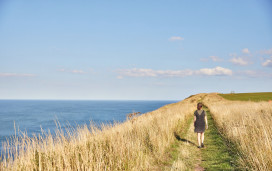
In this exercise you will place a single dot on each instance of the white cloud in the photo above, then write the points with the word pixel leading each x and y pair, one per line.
pixel 175 73
pixel 239 61
pixel 215 58
pixel 78 71
pixel 16 75
pixel 174 38
pixel 72 71
pixel 245 51
pixel 268 62
pixel 214 71
pixel 141 72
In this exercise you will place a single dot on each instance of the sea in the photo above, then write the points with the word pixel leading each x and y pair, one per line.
pixel 32 116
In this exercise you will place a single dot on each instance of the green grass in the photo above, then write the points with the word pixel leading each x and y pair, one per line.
pixel 265 96
pixel 216 155
pixel 181 130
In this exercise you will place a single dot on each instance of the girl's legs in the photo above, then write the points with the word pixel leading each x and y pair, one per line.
pixel 199 139
pixel 202 137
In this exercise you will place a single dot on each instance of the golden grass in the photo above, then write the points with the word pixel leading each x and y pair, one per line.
pixel 137 144
pixel 248 125
pixel 189 156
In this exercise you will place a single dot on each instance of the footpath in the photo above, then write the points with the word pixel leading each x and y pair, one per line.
pixel 216 155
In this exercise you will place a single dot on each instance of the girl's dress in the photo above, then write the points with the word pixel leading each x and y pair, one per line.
pixel 200 121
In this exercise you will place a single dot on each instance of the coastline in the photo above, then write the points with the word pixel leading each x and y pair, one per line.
pixel 139 142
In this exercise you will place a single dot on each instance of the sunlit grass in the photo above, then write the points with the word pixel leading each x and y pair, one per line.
pixel 143 142
pixel 248 125
pixel 140 143
pixel 217 155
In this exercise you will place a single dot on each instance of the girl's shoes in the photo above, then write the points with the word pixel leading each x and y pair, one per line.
pixel 202 146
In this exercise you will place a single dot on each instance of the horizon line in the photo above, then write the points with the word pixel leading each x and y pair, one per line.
pixel 101 99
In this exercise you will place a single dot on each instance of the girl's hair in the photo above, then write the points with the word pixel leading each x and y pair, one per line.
pixel 199 104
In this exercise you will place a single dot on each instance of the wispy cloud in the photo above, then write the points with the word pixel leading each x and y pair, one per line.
pixel 214 71
pixel 239 61
pixel 268 62
pixel 253 73
pixel 5 74
pixel 75 71
pixel 245 51
pixel 213 58
pixel 243 59
pixel 142 72
pixel 175 38
pixel 78 71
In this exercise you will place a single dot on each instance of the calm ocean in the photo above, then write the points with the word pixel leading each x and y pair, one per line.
pixel 31 115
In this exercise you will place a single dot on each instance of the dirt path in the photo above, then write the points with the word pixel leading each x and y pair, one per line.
pixel 215 155
pixel 189 157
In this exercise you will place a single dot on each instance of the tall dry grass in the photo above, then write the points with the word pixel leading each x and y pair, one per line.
pixel 140 143
pixel 247 124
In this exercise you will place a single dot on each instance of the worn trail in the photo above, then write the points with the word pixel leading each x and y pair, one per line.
pixel 215 156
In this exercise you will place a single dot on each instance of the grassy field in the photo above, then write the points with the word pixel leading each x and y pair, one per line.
pixel 140 143
pixel 247 124
pixel 264 96
pixel 160 140
pixel 217 155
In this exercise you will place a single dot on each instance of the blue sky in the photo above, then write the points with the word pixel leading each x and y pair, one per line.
pixel 141 50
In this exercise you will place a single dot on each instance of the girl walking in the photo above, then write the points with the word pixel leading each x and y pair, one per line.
pixel 200 121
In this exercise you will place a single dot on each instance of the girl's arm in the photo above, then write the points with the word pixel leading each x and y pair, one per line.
pixel 206 121
pixel 194 118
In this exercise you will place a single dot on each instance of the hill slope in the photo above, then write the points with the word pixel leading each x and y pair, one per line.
pixel 264 96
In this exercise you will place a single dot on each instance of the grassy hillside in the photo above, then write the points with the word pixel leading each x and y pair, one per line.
pixel 140 143
pixel 247 124
pixel 159 140
pixel 264 96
